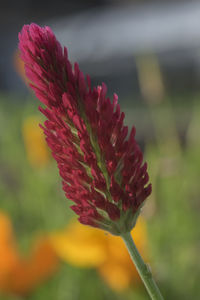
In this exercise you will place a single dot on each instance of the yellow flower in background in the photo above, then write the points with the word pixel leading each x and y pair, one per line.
pixel 89 247
pixel 20 275
pixel 19 66
pixel 80 246
pixel 9 257
pixel 118 270
pixel 35 144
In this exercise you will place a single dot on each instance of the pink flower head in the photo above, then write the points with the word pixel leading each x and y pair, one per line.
pixel 102 170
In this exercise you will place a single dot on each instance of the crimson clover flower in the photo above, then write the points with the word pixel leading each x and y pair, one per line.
pixel 102 169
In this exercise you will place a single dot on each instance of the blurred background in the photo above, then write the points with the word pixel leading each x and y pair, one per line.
pixel 148 52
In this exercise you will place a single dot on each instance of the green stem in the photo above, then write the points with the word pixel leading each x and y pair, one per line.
pixel 142 268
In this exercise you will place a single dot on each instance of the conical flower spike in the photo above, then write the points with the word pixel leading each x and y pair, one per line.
pixel 102 169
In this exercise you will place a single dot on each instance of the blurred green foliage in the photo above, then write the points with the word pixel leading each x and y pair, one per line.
pixel 35 201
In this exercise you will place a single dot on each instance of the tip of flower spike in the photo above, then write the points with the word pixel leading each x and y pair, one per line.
pixel 34 30
pixel 46 63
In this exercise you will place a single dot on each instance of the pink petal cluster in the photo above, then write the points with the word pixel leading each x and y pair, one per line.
pixel 102 169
